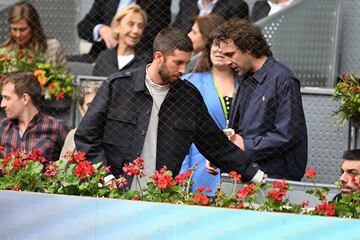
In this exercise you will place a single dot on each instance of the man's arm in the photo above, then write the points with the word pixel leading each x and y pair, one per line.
pixel 95 17
pixel 215 146
pixel 288 126
pixel 88 136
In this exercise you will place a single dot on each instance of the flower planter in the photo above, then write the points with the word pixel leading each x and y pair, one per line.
pixel 45 216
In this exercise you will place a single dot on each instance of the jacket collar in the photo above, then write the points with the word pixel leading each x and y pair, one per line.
pixel 260 74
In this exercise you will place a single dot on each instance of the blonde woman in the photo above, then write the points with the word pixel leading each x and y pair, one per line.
pixel 27 37
pixel 128 26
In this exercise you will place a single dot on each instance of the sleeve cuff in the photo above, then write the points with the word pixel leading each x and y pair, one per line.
pixel 96 35
pixel 108 178
pixel 258 177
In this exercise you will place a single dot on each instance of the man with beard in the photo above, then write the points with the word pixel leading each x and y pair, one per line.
pixel 151 113
pixel 350 173
pixel 267 113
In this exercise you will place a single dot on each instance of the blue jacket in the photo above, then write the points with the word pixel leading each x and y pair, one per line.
pixel 205 84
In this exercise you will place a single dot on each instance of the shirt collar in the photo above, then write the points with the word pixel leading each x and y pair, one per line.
pixel 206 10
pixel 33 121
pixel 260 74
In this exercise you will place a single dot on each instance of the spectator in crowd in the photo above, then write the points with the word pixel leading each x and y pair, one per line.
pixel 95 27
pixel 25 127
pixel 87 94
pixel 27 36
pixel 199 34
pixel 350 173
pixel 149 112
pixel 128 24
pixel 263 8
pixel 228 9
pixel 267 115
pixel 217 85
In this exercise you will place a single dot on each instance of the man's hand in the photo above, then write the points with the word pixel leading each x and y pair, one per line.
pixel 106 33
pixel 111 184
pixel 211 168
pixel 238 141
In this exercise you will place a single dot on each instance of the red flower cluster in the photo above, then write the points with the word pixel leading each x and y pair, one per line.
pixel 183 178
pixel 326 209
pixel 235 177
pixel 304 204
pixel 200 189
pixel 279 191
pixel 135 167
pixel 2 148
pixel 200 198
pixel 60 96
pixel 35 156
pixel 84 169
pixel 245 191
pixel 75 157
pixel 51 169
pixel 121 182
pixel 239 206
pixel 163 178
pixel 310 173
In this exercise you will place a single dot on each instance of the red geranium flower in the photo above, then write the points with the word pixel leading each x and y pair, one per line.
pixel 135 167
pixel 310 173
pixel 326 209
pixel 200 198
pixel 183 178
pixel 2 148
pixel 200 188
pixel 84 169
pixel 121 182
pixel 51 169
pixel 207 189
pixel 235 176
pixel 245 191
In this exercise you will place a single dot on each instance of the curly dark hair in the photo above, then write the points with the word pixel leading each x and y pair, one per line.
pixel 245 35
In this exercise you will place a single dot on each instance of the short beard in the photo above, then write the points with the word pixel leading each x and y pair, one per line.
pixel 164 74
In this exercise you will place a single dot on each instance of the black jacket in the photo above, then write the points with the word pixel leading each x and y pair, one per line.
pixel 114 128
pixel 260 10
pixel 107 63
pixel 228 9
pixel 103 11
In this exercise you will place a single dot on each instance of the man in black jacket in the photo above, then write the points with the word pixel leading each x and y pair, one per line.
pixel 95 26
pixel 150 112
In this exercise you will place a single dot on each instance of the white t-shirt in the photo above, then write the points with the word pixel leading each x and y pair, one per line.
pixel 123 60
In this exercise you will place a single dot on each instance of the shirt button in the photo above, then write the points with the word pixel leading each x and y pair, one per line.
pixel 143 132
pixel 255 165
pixel 148 112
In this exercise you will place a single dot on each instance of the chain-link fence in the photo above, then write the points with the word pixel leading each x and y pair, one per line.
pixel 138 113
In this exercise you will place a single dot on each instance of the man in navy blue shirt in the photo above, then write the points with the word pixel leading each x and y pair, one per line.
pixel 267 114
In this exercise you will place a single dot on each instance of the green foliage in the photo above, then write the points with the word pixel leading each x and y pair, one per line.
pixel 347 91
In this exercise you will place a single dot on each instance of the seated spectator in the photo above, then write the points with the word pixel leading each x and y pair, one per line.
pixel 128 26
pixel 217 85
pixel 350 173
pixel 88 92
pixel 95 27
pixel 228 9
pixel 263 8
pixel 27 36
pixel 25 126
pixel 199 34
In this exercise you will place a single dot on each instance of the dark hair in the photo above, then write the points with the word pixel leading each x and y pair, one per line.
pixel 26 82
pixel 352 155
pixel 206 24
pixel 24 10
pixel 246 36
pixel 170 39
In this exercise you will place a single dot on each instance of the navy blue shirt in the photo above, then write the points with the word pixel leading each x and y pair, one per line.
pixel 268 114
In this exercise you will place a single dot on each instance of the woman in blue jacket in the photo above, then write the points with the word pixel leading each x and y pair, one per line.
pixel 217 84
